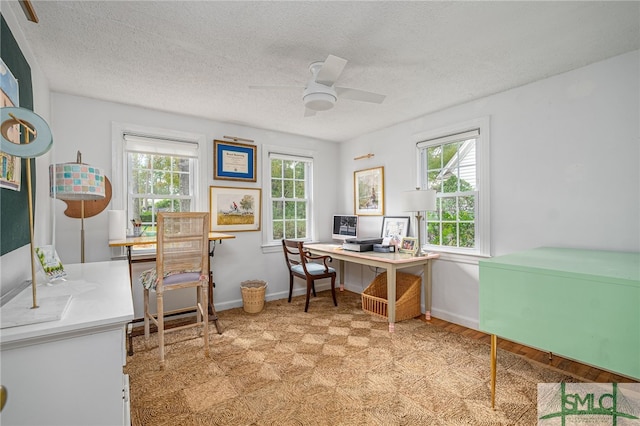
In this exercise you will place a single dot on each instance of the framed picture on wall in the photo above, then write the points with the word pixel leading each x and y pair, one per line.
pixel 234 209
pixel 395 228
pixel 368 189
pixel 234 161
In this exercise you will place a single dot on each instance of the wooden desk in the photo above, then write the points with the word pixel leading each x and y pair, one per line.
pixel 581 304
pixel 391 262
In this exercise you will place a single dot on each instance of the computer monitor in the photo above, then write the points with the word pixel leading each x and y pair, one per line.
pixel 345 226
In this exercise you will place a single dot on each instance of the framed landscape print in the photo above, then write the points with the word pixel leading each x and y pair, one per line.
pixel 368 187
pixel 234 161
pixel 234 209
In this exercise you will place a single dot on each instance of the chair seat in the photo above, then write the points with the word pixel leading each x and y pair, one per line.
pixel 149 277
pixel 312 268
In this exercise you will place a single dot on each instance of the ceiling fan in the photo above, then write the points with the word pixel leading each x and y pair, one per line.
pixel 321 94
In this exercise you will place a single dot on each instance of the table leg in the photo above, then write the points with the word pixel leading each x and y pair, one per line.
pixel 211 309
pixel 427 290
pixel 341 275
pixel 494 355
pixel 391 297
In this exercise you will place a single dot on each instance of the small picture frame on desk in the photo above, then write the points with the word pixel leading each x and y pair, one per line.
pixel 395 228
pixel 408 245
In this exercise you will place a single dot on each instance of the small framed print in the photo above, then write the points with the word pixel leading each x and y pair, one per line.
pixel 234 209
pixel 234 161
pixel 408 245
pixel 395 228
pixel 368 189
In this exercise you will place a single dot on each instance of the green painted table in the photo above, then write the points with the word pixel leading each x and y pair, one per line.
pixel 580 304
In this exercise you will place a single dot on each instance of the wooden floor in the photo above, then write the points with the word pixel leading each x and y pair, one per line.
pixel 585 372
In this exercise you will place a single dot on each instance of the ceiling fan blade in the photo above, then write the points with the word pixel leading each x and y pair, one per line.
pixel 309 112
pixel 276 87
pixel 330 70
pixel 359 95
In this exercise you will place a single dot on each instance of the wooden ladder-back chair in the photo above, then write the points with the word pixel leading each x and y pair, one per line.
pixel 182 261
pixel 302 264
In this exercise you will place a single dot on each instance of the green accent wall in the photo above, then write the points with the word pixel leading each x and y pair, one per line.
pixel 14 207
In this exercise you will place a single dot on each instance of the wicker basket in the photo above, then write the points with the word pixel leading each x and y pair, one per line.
pixel 253 292
pixel 374 297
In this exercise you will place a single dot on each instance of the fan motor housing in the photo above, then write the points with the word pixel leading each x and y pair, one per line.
pixel 319 97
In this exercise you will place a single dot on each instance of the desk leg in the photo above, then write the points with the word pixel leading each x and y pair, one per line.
pixel 494 355
pixel 211 309
pixel 341 275
pixel 391 297
pixel 427 290
pixel 130 325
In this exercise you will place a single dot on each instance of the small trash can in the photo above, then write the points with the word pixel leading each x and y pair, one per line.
pixel 253 292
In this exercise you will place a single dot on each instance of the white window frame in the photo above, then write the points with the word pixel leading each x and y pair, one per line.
pixel 158 136
pixel 267 214
pixel 482 205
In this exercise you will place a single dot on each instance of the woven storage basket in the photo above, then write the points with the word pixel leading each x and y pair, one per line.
pixel 253 292
pixel 374 297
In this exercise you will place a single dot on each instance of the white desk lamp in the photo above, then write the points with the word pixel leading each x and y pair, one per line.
pixel 418 201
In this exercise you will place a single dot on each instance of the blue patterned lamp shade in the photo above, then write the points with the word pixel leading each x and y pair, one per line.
pixel 76 181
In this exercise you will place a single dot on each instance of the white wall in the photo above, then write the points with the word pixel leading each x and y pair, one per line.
pixel 15 266
pixel 86 124
pixel 565 163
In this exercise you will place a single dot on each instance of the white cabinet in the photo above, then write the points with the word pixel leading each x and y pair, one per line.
pixel 70 371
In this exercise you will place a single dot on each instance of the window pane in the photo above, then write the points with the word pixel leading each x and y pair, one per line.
pixel 278 211
pixel 290 229
pixel 433 233
pixel 278 230
pixel 434 180
pixel 300 170
pixel 466 207
pixel 276 168
pixel 449 234
pixel 434 157
pixel 276 188
pixel 288 166
pixel 290 209
pixel 288 189
pixel 301 210
pixel 301 226
pixel 299 189
pixel 449 208
pixel 467 234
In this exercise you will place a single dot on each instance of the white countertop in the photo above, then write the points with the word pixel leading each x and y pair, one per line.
pixel 100 299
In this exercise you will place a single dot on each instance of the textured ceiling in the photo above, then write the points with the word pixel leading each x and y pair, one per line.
pixel 199 58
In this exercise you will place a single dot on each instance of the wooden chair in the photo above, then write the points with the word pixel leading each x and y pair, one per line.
pixel 301 264
pixel 182 261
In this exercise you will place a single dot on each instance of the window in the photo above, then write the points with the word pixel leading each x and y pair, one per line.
pixel 456 167
pixel 290 197
pixel 153 174
pixel 160 177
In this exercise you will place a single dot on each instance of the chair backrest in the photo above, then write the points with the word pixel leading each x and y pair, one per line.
pixel 292 250
pixel 182 243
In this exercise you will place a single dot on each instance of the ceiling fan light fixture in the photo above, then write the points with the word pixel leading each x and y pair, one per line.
pixel 319 101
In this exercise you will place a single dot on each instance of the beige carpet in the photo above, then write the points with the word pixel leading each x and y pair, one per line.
pixel 330 366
